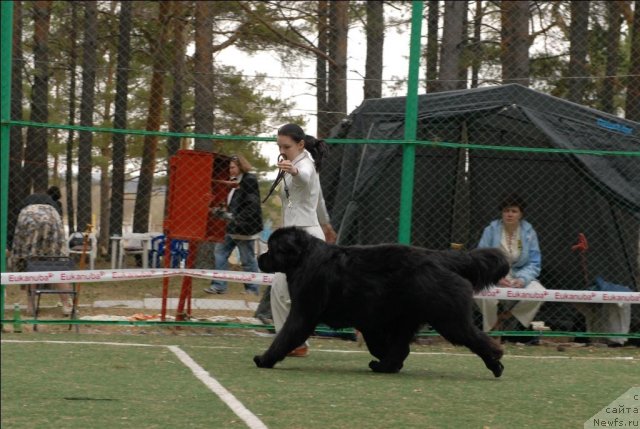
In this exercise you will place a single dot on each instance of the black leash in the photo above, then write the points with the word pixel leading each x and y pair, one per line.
pixel 276 182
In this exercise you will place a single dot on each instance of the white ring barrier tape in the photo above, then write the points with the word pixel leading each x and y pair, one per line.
pixel 95 276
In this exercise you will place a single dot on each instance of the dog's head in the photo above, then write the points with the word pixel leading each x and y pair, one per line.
pixel 287 249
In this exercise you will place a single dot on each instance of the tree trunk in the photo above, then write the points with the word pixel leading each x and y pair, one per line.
pixel 73 56
pixel 55 178
pixel 105 186
pixel 578 48
pixel 375 44
pixel 116 217
pixel 451 49
pixel 203 75
pixel 176 119
pixel 477 47
pixel 53 143
pixel 514 49
pixel 462 64
pixel 87 105
pixel 154 117
pixel 105 152
pixel 339 28
pixel 323 127
pixel 632 107
pixel 18 183
pixel 610 82
pixel 432 46
pixel 35 165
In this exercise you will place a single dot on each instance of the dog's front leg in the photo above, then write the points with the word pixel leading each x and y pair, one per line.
pixel 294 332
pixel 396 352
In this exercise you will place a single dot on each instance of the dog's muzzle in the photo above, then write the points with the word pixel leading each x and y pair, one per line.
pixel 263 263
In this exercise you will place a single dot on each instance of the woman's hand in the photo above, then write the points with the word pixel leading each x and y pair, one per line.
pixel 516 283
pixel 288 167
pixel 504 282
pixel 519 283
pixel 330 235
pixel 229 183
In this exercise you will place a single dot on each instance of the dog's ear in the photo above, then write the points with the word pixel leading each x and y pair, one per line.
pixel 283 241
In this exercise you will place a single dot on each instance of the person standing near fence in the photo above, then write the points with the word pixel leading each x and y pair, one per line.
pixel 244 216
pixel 300 193
pixel 39 232
pixel 519 241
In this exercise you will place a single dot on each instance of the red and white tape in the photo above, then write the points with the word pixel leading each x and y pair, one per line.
pixel 554 295
pixel 95 276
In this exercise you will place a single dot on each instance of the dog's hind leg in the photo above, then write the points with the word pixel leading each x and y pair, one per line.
pixel 488 350
pixel 465 334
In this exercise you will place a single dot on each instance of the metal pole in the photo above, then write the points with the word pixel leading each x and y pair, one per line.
pixel 6 42
pixel 410 126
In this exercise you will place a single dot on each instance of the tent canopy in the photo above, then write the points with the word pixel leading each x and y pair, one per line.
pixel 457 191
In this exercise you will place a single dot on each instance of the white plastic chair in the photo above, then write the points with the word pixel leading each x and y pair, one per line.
pixel 135 244
pixel 92 248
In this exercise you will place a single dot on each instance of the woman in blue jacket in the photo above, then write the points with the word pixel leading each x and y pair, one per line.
pixel 519 241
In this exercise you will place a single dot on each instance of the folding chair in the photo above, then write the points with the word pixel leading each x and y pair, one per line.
pixel 178 252
pixel 75 246
pixel 50 263
pixel 134 244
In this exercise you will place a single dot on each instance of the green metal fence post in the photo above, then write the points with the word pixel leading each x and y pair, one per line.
pixel 410 127
pixel 6 24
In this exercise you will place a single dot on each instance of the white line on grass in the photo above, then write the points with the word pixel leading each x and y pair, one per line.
pixel 227 397
pixel 83 342
pixel 624 358
pixel 472 355
pixel 252 421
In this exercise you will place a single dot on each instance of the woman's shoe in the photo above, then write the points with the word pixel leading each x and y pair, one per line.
pixel 214 291
pixel 302 351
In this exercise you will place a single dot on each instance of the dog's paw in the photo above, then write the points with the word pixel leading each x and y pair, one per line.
pixel 380 367
pixel 261 363
pixel 374 365
pixel 497 368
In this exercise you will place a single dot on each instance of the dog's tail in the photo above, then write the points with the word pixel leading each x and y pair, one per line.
pixel 482 267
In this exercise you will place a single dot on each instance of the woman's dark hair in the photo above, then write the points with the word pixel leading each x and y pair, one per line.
pixel 317 148
pixel 54 193
pixel 513 200
pixel 292 130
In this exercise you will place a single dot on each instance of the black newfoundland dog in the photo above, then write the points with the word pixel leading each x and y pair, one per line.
pixel 387 292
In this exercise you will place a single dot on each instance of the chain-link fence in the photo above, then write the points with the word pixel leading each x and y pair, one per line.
pixel 541 99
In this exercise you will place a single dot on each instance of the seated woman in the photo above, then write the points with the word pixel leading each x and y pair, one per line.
pixel 519 241
pixel 39 232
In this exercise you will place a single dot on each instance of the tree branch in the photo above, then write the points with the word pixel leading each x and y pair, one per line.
pixel 292 28
pixel 285 38
pixel 231 40
pixel 303 14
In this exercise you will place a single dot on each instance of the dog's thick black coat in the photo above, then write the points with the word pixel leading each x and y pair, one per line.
pixel 387 292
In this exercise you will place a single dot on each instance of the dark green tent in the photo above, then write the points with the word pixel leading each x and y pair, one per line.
pixel 457 192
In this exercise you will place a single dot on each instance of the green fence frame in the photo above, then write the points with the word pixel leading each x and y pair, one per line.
pixel 408 156
pixel 6 26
